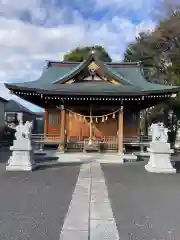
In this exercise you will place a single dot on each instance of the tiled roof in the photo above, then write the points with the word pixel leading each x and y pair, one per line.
pixel 53 78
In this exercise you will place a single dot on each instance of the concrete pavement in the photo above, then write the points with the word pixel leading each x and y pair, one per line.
pixel 33 205
pixel 107 201
pixel 145 205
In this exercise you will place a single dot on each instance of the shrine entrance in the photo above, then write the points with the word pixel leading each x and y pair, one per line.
pixel 95 124
pixel 92 127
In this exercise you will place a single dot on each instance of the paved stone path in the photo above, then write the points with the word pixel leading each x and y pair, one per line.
pixel 90 215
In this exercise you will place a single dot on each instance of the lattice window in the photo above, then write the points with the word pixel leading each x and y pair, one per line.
pixel 54 118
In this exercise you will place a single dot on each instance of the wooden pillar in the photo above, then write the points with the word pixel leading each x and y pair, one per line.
pixel 63 125
pixel 120 130
pixel 62 145
pixel 46 122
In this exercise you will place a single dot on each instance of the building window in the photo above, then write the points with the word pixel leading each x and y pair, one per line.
pixel 11 118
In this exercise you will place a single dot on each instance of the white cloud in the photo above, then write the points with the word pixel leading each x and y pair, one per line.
pixel 11 8
pixel 121 4
pixel 24 47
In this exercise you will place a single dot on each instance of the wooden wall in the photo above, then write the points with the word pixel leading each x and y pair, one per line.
pixel 107 128
pixel 78 127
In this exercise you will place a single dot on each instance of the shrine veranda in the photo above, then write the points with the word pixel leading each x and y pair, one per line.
pixel 92 101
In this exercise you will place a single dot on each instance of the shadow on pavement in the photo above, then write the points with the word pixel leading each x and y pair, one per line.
pixel 176 162
pixel 4 155
pixel 56 165
pixel 46 159
pixel 176 165
pixel 42 162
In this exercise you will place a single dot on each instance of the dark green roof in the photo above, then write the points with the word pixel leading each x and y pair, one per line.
pixel 13 106
pixel 56 74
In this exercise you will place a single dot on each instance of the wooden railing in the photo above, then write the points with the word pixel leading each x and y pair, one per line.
pixel 137 140
pixel 50 138
pixel 73 142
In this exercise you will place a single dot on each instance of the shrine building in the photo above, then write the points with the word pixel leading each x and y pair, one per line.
pixel 92 100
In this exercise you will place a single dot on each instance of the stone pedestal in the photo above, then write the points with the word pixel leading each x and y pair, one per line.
pixel 22 158
pixel 160 158
pixel 89 148
pixel 129 157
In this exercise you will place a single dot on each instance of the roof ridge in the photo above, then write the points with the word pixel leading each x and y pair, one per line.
pixel 108 63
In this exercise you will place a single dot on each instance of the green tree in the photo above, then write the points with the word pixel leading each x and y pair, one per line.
pixel 159 53
pixel 80 54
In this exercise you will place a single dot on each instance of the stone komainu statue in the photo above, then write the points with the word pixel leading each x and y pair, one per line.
pixel 159 132
pixel 23 130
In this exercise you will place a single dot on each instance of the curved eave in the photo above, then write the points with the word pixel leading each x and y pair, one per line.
pixel 87 92
pixel 13 87
pixel 107 93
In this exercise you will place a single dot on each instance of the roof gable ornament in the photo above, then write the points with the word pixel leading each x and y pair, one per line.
pixel 93 67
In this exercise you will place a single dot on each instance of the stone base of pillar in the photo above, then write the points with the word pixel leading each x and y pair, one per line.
pixel 160 158
pixel 91 148
pixel 61 147
pixel 22 158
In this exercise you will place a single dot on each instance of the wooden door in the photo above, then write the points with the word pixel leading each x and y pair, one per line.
pixel 53 128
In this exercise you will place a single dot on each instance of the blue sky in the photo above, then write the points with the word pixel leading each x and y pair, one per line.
pixel 39 30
